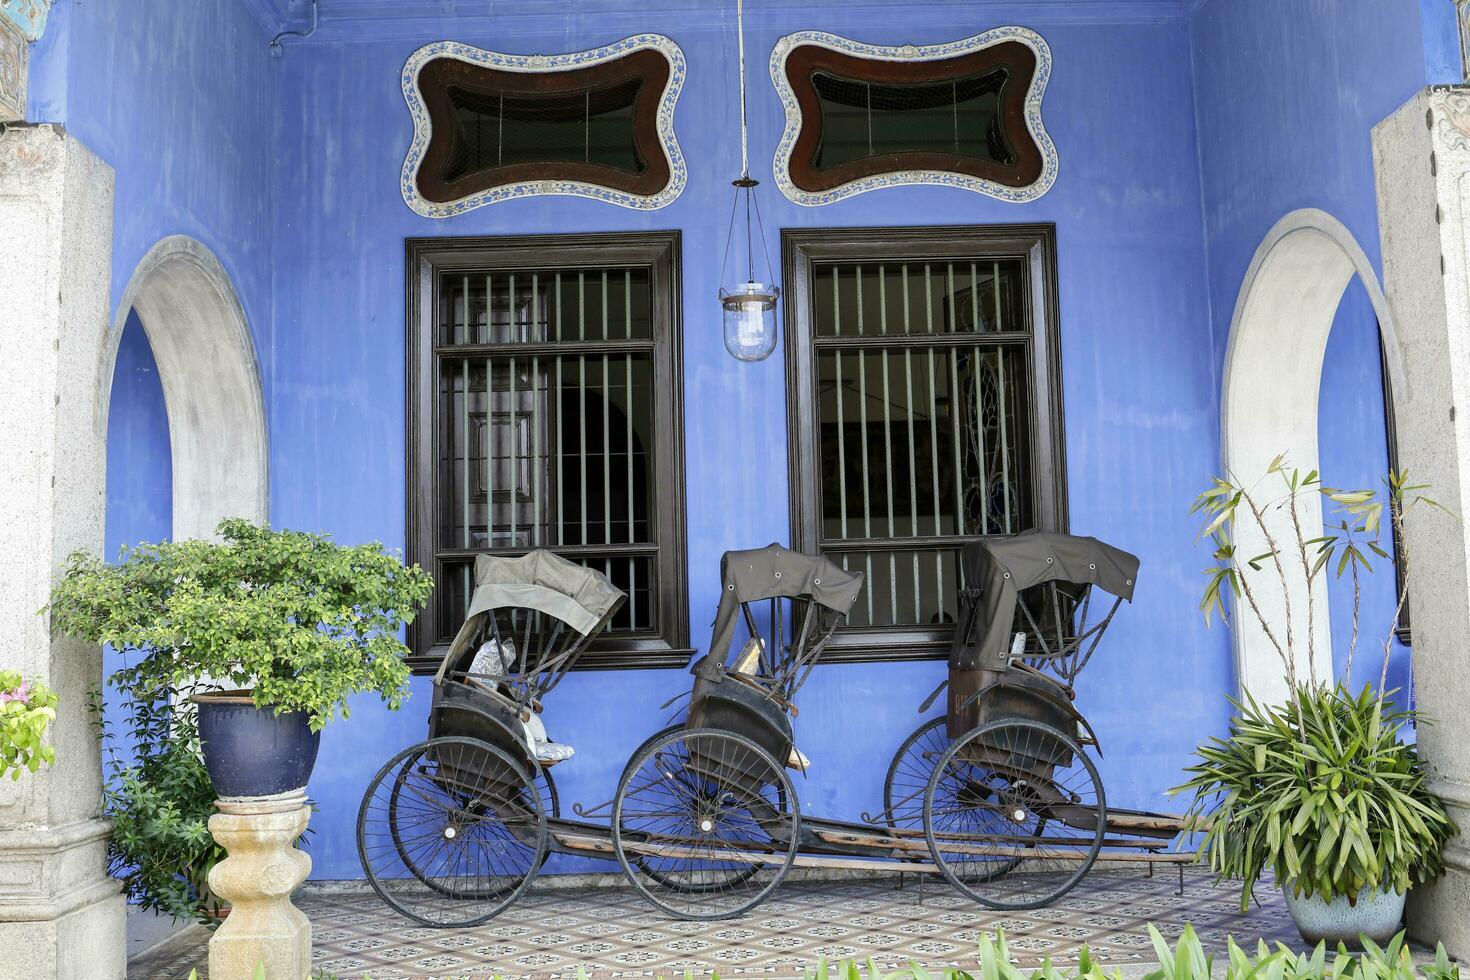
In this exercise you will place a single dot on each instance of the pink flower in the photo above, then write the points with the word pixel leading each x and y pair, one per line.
pixel 21 693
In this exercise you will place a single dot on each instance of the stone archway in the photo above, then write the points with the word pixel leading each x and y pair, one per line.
pixel 1268 406
pixel 211 383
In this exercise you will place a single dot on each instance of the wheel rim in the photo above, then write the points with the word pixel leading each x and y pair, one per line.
pixel 1015 814
pixel 909 772
pixel 721 811
pixel 451 831
pixel 650 868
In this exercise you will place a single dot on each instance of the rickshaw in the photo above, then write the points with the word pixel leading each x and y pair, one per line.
pixel 1008 762
pixel 706 821
pixel 452 830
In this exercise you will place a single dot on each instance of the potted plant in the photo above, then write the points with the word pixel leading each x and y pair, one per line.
pixel 26 709
pixel 292 622
pixel 1322 790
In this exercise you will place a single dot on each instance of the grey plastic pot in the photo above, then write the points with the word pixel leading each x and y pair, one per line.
pixel 1377 914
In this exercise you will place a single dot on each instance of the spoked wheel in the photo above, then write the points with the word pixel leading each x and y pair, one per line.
pixel 451 831
pixel 909 772
pixel 695 811
pixel 650 866
pixel 1015 814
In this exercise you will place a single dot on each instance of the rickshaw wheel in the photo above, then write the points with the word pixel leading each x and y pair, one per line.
pixel 650 867
pixel 720 804
pixel 1015 814
pixel 909 772
pixel 451 818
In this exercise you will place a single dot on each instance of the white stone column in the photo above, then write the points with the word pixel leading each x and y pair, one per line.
pixel 61 916
pixel 1422 159
pixel 263 929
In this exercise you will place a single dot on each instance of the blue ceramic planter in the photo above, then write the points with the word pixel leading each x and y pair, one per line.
pixel 252 751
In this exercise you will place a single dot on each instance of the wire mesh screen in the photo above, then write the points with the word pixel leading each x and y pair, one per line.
pixel 591 126
pixel 924 416
pixel 545 427
pixel 862 119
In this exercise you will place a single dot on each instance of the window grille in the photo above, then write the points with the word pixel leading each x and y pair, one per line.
pixel 551 383
pixel 926 412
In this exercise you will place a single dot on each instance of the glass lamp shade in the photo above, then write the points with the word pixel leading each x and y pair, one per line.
pixel 750 320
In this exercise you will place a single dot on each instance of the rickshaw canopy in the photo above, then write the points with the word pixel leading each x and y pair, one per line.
pixel 581 597
pixel 771 572
pixel 997 570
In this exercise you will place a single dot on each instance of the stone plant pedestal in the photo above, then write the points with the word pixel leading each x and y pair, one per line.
pixel 263 868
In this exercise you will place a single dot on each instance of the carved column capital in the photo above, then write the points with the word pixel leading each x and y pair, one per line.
pixel 263 868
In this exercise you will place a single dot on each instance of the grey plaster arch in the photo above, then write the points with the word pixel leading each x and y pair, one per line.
pixel 211 383
pixel 1268 405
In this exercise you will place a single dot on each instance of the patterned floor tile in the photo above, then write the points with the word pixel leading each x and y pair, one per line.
pixel 615 935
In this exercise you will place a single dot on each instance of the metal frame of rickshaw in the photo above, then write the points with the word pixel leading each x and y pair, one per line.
pixel 729 712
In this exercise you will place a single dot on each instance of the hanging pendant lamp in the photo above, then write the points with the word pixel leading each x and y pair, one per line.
pixel 749 306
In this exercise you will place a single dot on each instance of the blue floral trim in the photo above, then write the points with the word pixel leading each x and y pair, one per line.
pixel 781 166
pixel 422 127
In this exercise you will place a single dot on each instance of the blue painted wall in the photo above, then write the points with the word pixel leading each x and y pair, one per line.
pixel 1137 374
pixel 139 465
pixel 179 99
pixel 1177 154
pixel 1286 95
pixel 1354 454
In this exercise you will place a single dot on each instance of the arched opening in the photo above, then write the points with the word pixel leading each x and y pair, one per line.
pixel 1270 405
pixel 206 365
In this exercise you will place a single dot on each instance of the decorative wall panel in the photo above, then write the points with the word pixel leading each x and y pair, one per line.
pixel 14 56
pixel 28 17
pixel 489 127
pixel 963 114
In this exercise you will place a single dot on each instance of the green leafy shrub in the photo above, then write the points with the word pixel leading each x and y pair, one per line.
pixel 26 709
pixel 159 798
pixel 1331 800
pixel 301 620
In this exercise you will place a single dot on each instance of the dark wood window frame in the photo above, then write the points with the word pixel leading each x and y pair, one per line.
pixel 438 79
pixel 801 249
pixel 1016 59
pixel 659 253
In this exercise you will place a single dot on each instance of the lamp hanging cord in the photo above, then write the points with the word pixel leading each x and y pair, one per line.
pixel 740 35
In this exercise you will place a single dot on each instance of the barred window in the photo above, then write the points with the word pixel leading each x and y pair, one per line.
pixel 926 412
pixel 546 414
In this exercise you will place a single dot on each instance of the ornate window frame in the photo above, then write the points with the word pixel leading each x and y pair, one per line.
pixel 908 53
pixel 423 128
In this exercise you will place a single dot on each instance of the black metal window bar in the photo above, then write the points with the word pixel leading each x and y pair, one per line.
pixel 545 428
pixel 924 414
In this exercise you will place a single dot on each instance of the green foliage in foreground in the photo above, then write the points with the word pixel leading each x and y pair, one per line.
pixel 26 708
pixel 303 621
pixel 1186 960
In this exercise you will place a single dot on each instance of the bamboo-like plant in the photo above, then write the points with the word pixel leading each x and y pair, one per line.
pixel 1321 790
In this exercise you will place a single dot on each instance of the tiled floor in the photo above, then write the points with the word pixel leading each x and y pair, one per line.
pixel 611 931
